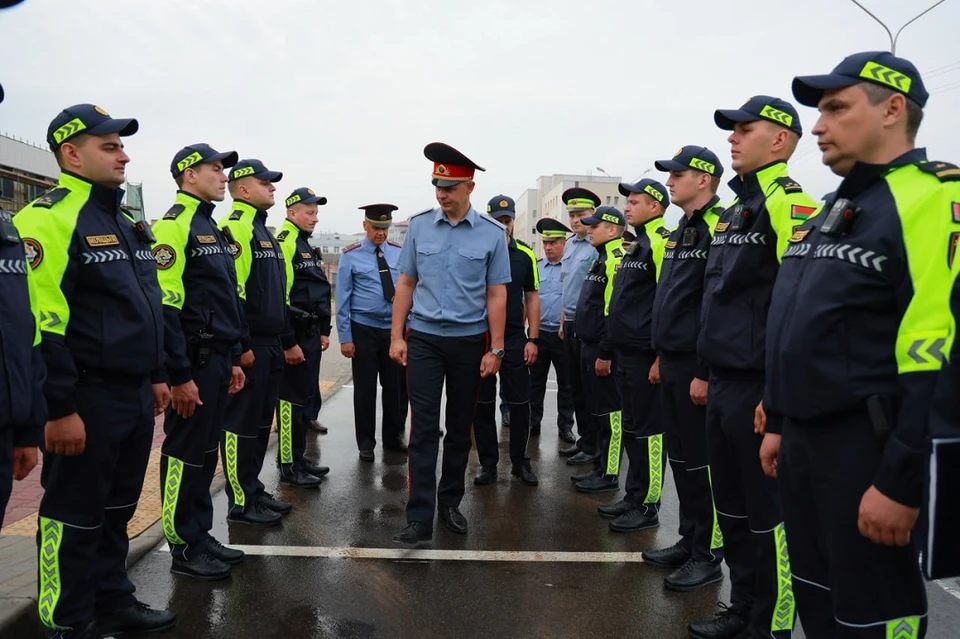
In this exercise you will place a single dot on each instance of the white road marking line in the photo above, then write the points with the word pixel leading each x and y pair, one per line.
pixel 952 589
pixel 420 554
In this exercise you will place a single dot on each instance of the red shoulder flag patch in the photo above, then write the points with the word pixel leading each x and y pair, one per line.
pixel 798 212
pixel 956 212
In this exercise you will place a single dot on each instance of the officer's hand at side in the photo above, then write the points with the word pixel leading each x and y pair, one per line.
pixel 247 359
pixel 654 375
pixel 770 454
pixel 561 331
pixel 185 398
pixel 65 436
pixel 530 352
pixel 293 355
pixel 237 380
pixel 398 350
pixel 698 392
pixel 161 398
pixel 348 350
pixel 759 420
pixel 24 460
pixel 324 342
pixel 885 521
pixel 489 365
pixel 602 367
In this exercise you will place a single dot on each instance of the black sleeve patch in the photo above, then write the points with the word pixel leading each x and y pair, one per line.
pixel 51 197
pixel 617 252
pixel 789 184
pixel 236 215
pixel 174 212
pixel 664 232
pixel 944 171
pixel 282 235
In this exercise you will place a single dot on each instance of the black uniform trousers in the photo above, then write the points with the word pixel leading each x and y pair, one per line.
pixel 748 508
pixel 845 585
pixel 247 422
pixel 431 360
pixel 587 440
pixel 372 360
pixel 642 428
pixel 515 382
pixel 189 461
pixel 551 350
pixel 685 434
pixel 89 499
pixel 6 468
pixel 604 408
pixel 298 385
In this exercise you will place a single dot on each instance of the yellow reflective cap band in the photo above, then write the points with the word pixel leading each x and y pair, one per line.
pixel 239 173
pixel 613 219
pixel 702 165
pixel 188 161
pixel 293 199
pixel 553 234
pixel 68 130
pixel 885 75
pixel 777 116
pixel 580 202
pixel 657 195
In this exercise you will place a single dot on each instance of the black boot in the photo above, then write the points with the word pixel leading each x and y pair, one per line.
pixel 230 556
pixel 672 557
pixel 298 478
pixel 136 618
pixel 590 474
pixel 454 520
pixel 726 624
pixel 612 511
pixel 204 566
pixel 599 484
pixel 274 504
pixel 314 469
pixel 635 519
pixel 486 476
pixel 524 472
pixel 255 514
pixel 580 459
pixel 414 532
pixel 693 575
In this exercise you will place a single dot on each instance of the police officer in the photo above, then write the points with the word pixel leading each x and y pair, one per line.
pixel 366 285
pixel 261 285
pixel 631 310
pixel 578 256
pixel 203 323
pixel 453 268
pixel 520 352
pixel 694 178
pixel 101 327
pixel 856 328
pixel 597 366
pixel 306 336
pixel 750 237
pixel 550 349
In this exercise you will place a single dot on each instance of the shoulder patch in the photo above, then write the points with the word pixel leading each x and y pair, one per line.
pixel 164 255
pixel 174 212
pixel 51 197
pixel 664 231
pixel 353 246
pixel 789 184
pixel 393 244
pixel 430 210
pixel 617 252
pixel 487 218
pixel 33 251
pixel 282 235
pixel 944 171
pixel 236 215
pixel 722 227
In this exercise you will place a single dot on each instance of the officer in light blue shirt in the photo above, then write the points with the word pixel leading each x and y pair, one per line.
pixel 453 270
pixel 578 255
pixel 366 286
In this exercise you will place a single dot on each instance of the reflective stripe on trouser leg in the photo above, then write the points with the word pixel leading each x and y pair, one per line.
pixel 172 482
pixel 285 431
pixel 784 612
pixel 51 536
pixel 904 628
pixel 655 463
pixel 230 464
pixel 616 441
pixel 716 540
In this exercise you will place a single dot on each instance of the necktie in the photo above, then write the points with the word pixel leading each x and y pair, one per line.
pixel 385 278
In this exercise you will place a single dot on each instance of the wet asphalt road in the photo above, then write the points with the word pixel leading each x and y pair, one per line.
pixel 361 505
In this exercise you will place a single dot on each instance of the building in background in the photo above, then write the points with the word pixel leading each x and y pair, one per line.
pixel 398 232
pixel 27 171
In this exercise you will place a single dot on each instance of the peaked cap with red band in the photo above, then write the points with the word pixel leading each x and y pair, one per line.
pixel 450 167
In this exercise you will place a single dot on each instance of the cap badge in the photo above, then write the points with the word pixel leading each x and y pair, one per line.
pixel 441 170
pixel 383 218
pixel 310 191
pixel 504 204
pixel 678 153
pixel 101 111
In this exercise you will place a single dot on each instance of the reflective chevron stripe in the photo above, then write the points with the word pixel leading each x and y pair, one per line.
pixel 230 467
pixel 796 250
pixel 203 251
pixel 784 612
pixel 262 255
pixel 171 493
pixel 101 257
pixel 655 461
pixel 51 536
pixel 699 254
pixel 716 540
pixel 285 432
pixel 172 298
pixel 10 267
pixel 616 441
pixel 145 255
pixel 759 239
pixel 905 628
pixel 852 254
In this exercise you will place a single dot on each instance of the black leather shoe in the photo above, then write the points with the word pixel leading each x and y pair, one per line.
pixel 693 575
pixel 314 469
pixel 136 618
pixel 454 520
pixel 570 451
pixel 414 532
pixel 599 484
pixel 276 505
pixel 317 426
pixel 524 472
pixel 726 624
pixel 397 446
pixel 566 435
pixel 299 478
pixel 366 455
pixel 230 556
pixel 633 520
pixel 672 557
pixel 204 567
pixel 612 511
pixel 486 476
pixel 590 474
pixel 255 514
pixel 580 459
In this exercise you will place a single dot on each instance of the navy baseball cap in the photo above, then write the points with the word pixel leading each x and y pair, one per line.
pixel 760 107
pixel 303 195
pixel 878 67
pixel 605 214
pixel 254 168
pixel 195 154
pixel 651 187
pixel 502 206
pixel 692 157
pixel 89 119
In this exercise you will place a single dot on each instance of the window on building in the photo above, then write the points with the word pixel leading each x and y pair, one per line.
pixel 6 186
pixel 336 250
pixel 325 249
pixel 616 200
pixel 608 200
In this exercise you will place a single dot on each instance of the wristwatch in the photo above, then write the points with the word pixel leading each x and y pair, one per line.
pixel 498 352
pixel 534 340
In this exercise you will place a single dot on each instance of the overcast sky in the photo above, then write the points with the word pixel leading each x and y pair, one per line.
pixel 342 97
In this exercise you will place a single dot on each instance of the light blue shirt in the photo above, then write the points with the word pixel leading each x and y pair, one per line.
pixel 359 289
pixel 578 255
pixel 453 266
pixel 550 295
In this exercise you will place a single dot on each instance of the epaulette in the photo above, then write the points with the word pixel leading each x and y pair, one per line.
pixel 51 197
pixel 522 243
pixel 944 171
pixel 350 248
pixel 492 221
pixel 422 212
pixel 393 244
pixel 617 252
pixel 663 231
pixel 282 235
pixel 174 212
pixel 236 215
pixel 789 184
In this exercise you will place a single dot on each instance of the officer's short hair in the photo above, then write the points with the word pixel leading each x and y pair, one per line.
pixel 77 140
pixel 714 184
pixel 877 94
